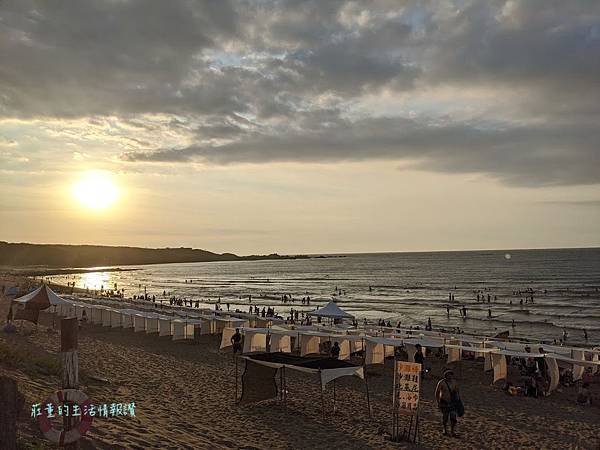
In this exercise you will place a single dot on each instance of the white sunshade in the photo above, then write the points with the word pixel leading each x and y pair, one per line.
pixel 41 295
pixel 331 310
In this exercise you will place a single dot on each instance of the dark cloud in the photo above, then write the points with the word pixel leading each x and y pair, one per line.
pixel 528 155
pixel 260 81
pixel 549 47
pixel 103 57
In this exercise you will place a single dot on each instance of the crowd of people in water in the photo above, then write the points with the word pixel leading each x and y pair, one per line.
pixel 484 296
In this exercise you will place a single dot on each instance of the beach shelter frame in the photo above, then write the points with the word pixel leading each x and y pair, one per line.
pixel 299 364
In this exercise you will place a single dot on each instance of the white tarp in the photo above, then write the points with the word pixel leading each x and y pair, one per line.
pixel 255 341
pixel 578 370
pixel 207 326
pixel 411 350
pixel 331 310
pixel 151 324
pixel 427 342
pixel 553 373
pixel 392 342
pixel 139 323
pixel 499 365
pixel 106 313
pixel 126 320
pixel 182 329
pixel 97 315
pixel 226 337
pixel 164 326
pixel 356 345
pixel 309 344
pixel 331 374
pixel 374 352
pixel 280 343
pixel 40 295
pixel 178 329
pixel 88 313
pixel 454 350
pixel 577 362
pixel 344 349
pixel 115 319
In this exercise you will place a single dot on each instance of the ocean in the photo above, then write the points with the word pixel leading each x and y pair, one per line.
pixel 410 287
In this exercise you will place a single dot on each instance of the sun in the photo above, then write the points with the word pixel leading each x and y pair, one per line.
pixel 96 190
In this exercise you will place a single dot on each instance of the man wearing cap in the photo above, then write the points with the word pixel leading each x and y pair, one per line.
pixel 447 397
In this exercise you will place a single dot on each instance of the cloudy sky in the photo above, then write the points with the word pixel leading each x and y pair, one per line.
pixel 303 126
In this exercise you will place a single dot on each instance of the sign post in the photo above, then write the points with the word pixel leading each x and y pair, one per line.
pixel 407 388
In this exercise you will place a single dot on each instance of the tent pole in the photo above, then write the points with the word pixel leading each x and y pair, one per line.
pixel 394 409
pixel 285 385
pixel 364 352
pixel 236 377
pixel 334 395
pixel 416 435
pixel 322 399
pixel 281 384
pixel 367 389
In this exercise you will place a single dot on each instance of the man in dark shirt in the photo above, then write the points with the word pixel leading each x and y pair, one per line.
pixel 236 341
pixel 419 357
pixel 335 350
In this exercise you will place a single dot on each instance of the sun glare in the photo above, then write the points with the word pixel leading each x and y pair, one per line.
pixel 96 191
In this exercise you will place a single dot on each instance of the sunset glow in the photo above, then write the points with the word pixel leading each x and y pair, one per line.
pixel 96 191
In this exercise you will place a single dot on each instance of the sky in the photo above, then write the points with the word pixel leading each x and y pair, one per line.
pixel 302 126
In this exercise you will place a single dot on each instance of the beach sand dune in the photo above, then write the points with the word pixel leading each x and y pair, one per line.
pixel 184 396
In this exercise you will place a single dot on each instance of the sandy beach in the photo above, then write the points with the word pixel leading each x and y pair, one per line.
pixel 184 396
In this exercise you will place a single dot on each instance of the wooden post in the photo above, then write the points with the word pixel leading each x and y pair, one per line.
pixel 11 402
pixel 70 365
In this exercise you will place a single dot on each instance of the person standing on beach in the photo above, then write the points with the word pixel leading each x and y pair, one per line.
pixel 419 358
pixel 335 350
pixel 447 397
pixel 236 341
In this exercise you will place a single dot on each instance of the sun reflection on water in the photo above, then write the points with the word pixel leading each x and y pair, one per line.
pixel 95 281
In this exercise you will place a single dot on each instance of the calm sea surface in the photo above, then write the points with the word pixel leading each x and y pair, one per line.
pixel 397 286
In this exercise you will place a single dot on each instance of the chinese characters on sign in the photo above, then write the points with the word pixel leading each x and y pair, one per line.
pixel 408 382
pixel 73 410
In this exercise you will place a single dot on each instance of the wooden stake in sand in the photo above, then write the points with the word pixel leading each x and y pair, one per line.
pixel 70 365
pixel 11 402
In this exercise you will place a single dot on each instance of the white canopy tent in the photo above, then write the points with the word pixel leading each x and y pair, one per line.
pixel 331 310
pixel 44 296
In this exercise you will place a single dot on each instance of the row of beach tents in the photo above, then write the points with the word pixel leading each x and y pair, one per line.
pixel 271 335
